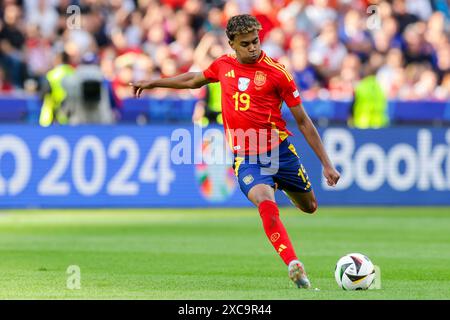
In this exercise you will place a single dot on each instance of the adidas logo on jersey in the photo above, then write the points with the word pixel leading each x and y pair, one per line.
pixel 230 74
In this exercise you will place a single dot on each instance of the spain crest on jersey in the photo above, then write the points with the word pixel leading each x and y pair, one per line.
pixel 260 78
pixel 243 83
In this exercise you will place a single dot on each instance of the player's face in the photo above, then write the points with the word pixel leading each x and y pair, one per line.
pixel 247 47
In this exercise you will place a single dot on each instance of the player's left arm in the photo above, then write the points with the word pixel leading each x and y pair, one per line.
pixel 309 131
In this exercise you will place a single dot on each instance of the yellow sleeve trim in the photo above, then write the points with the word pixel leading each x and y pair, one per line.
pixel 279 67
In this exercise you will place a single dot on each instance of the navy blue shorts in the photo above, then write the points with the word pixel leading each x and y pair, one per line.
pixel 281 168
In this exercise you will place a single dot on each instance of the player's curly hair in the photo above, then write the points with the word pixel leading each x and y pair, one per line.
pixel 240 24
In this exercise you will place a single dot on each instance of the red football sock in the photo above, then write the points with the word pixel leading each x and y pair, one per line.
pixel 275 231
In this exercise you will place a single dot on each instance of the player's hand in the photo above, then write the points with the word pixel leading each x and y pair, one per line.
pixel 331 175
pixel 140 86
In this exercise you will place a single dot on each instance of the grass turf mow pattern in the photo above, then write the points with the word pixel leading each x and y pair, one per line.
pixel 218 253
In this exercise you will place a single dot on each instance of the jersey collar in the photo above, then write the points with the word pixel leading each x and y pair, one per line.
pixel 261 57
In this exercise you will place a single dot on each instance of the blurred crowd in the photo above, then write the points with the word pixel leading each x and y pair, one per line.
pixel 328 45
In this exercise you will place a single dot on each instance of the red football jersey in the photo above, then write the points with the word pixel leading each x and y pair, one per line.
pixel 252 96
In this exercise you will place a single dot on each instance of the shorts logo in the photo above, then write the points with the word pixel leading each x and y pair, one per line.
pixel 243 83
pixel 260 78
pixel 274 237
pixel 248 179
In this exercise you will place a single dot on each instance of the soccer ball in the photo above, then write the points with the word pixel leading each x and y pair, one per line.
pixel 354 271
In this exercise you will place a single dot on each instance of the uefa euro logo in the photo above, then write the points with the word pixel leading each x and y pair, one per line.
pixel 216 179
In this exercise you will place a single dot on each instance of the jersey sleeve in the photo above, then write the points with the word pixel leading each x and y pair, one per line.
pixel 288 91
pixel 212 73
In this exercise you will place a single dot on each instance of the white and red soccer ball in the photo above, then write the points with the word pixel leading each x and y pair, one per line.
pixel 354 271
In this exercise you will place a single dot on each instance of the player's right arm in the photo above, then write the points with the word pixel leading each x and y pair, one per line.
pixel 309 131
pixel 188 80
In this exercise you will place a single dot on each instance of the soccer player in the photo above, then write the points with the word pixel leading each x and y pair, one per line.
pixel 253 88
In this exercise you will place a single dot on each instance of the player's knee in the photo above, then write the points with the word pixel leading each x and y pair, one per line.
pixel 312 208
pixel 309 207
pixel 263 196
pixel 260 193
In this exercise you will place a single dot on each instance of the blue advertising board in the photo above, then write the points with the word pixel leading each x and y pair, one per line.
pixel 169 166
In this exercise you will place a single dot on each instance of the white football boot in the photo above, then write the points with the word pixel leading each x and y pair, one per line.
pixel 298 275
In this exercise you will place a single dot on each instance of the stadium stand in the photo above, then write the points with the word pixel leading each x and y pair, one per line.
pixel 328 45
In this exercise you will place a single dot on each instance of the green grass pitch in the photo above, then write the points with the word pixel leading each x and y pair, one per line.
pixel 218 253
